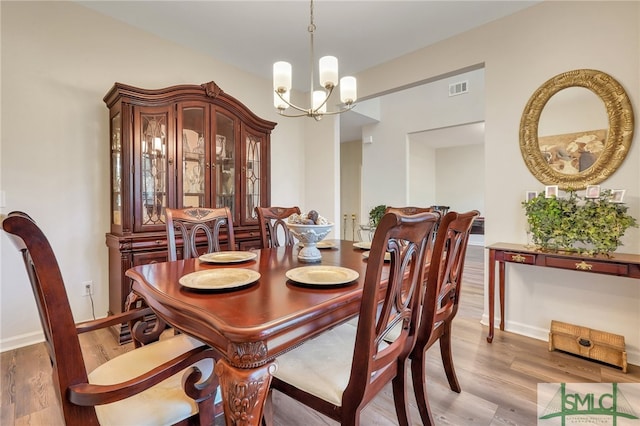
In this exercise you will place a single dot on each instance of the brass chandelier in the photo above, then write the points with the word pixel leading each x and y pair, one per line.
pixel 328 73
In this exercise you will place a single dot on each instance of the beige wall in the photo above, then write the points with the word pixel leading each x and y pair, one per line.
pixel 422 174
pixel 59 59
pixel 350 183
pixel 460 177
pixel 322 170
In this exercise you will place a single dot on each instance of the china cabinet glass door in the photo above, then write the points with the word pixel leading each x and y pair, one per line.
pixel 153 168
pixel 225 149
pixel 193 156
pixel 116 170
pixel 253 172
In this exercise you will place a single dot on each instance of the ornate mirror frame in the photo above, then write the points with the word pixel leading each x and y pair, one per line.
pixel 619 135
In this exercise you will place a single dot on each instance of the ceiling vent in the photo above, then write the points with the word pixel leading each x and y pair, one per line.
pixel 458 88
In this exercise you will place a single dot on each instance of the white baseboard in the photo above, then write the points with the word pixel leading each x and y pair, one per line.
pixel 25 339
pixel 633 357
pixel 21 340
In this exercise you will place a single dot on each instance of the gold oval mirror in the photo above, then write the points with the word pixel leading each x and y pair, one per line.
pixel 582 139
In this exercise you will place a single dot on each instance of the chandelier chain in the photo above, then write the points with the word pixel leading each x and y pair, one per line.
pixel 312 28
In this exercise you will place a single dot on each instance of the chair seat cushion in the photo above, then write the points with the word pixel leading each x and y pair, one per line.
pixel 163 404
pixel 393 334
pixel 322 365
pixel 390 337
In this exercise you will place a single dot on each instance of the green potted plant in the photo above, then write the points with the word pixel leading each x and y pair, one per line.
pixel 576 223
pixel 375 214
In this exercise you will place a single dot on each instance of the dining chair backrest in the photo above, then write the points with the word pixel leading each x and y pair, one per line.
pixel 197 225
pixel 273 227
pixel 440 302
pixel 77 393
pixel 409 210
pixel 361 361
pixel 445 275
pixel 416 210
pixel 405 238
pixel 442 209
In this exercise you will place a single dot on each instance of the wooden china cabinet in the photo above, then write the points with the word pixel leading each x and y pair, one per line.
pixel 181 146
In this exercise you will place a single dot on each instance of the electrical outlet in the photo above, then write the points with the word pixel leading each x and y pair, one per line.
pixel 87 288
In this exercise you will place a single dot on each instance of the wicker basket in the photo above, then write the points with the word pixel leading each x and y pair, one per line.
pixel 594 344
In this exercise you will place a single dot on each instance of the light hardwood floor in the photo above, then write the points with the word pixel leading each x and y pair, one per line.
pixel 498 380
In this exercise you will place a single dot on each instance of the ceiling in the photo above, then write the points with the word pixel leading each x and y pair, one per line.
pixel 252 35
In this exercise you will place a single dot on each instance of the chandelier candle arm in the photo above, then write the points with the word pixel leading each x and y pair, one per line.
pixel 328 76
pixel 281 100
pixel 319 104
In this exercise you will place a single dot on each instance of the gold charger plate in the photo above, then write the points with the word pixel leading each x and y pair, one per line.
pixel 325 245
pixel 219 279
pixel 228 256
pixel 364 245
pixel 322 275
pixel 387 256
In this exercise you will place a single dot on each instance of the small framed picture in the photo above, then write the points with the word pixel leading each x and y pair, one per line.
pixel 593 191
pixel 550 191
pixel 617 195
pixel 530 195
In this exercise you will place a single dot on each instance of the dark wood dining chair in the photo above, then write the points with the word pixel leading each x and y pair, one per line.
pixel 142 386
pixel 440 304
pixel 338 372
pixel 442 209
pixel 197 225
pixel 273 227
pixel 416 210
pixel 409 210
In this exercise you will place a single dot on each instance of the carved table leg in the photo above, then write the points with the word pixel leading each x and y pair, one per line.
pixel 244 392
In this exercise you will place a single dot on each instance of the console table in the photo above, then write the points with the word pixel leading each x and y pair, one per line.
pixel 620 264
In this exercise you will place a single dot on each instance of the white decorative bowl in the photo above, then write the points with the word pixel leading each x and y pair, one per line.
pixel 309 235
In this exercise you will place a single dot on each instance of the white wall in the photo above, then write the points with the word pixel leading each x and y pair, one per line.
pixel 460 177
pixel 422 174
pixel 58 61
pixel 350 184
pixel 417 109
pixel 322 170
pixel 452 176
pixel 520 53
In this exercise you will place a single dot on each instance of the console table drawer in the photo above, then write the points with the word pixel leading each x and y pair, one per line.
pixel 527 259
pixel 610 268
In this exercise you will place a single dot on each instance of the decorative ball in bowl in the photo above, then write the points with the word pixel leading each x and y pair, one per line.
pixel 309 232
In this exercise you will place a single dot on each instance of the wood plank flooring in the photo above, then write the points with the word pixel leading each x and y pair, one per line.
pixel 498 380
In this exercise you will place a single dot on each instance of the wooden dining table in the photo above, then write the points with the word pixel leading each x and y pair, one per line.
pixel 252 325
